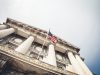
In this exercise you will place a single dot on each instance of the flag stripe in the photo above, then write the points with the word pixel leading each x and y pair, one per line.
pixel 51 37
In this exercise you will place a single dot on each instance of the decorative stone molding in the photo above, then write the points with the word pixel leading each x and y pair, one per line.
pixel 35 30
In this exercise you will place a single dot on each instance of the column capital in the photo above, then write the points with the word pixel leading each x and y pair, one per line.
pixel 80 57
pixel 74 53
pixel 49 43
pixel 34 36
pixel 77 54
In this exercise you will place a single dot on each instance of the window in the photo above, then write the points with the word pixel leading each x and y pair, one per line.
pixel 18 40
pixel 38 49
pixel 60 65
pixel 58 56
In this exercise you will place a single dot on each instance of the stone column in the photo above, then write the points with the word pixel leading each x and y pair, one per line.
pixel 3 27
pixel 6 32
pixel 83 65
pixel 24 47
pixel 51 58
pixel 75 64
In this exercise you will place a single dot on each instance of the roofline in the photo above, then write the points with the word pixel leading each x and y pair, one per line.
pixel 61 41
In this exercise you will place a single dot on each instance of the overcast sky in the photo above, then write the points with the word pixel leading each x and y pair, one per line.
pixel 76 21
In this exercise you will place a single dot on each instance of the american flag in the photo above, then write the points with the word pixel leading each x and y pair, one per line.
pixel 52 37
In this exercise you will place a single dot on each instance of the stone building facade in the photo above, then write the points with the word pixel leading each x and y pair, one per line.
pixel 26 50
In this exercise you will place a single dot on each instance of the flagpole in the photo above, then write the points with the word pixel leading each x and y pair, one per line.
pixel 42 46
